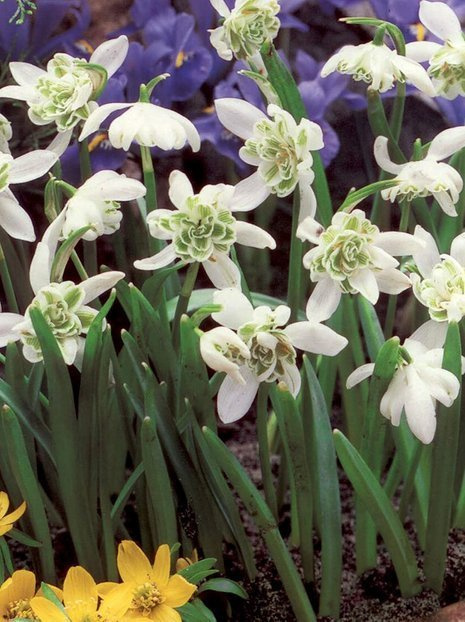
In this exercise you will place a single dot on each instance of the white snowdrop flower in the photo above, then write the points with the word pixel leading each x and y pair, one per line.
pixel 5 134
pixel 379 66
pixel 446 60
pixel 417 383
pixel 64 305
pixel 280 148
pixel 202 229
pixel 353 256
pixel 146 124
pixel 13 218
pixel 269 354
pixel 63 93
pixel 426 177
pixel 97 203
pixel 245 28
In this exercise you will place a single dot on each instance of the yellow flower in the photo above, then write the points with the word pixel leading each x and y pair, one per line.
pixel 15 596
pixel 80 598
pixel 155 594
pixel 7 520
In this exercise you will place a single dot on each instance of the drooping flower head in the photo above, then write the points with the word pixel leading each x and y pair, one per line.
pixel 446 60
pixel 255 345
pixel 63 93
pixel 417 383
pixel 428 176
pixel 353 256
pixel 278 146
pixel 378 66
pixel 97 203
pixel 5 134
pixel 202 229
pixel 245 28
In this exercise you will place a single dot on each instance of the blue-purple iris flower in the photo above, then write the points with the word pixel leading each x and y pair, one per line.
pixel 38 37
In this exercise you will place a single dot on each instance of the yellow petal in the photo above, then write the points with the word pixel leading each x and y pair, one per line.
pixel 13 516
pixel 162 566
pixel 23 585
pixel 5 529
pixel 4 504
pixel 178 591
pixel 80 588
pixel 56 590
pixel 163 613
pixel 46 610
pixel 117 601
pixel 133 565
pixel 104 588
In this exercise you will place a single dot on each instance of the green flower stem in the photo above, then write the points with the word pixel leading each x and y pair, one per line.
pixel 183 300
pixel 443 466
pixel 7 283
pixel 397 115
pixel 266 524
pixel 380 126
pixel 264 448
pixel 84 160
pixel 149 179
pixel 294 283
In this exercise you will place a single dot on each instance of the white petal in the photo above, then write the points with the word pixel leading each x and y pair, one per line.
pixel 428 256
pixel 235 400
pixel 392 281
pixel 398 243
pixel 364 281
pixel 323 301
pixel 193 137
pixel 14 219
pixel 111 54
pixel 26 74
pixel 238 116
pixel 249 193
pixel 392 402
pixel 23 93
pixel 180 188
pixel 214 358
pixel 60 143
pixel 96 118
pixel 111 186
pixel 382 156
pixel 31 165
pixel 221 7
pixel 251 235
pixel 443 385
pixel 445 203
pixel 440 19
pixel 419 408
pixel 7 322
pixel 446 143
pixel 421 51
pixel 291 378
pixel 359 374
pixel 100 283
pixel 160 260
pixel 307 200
pixel 457 249
pixel 222 271
pixel 432 334
pixel 315 338
pixel 69 349
pixel 415 74
pixel 309 230
pixel 237 309
pixel 41 264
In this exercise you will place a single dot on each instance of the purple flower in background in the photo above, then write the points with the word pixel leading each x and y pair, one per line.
pixel 40 36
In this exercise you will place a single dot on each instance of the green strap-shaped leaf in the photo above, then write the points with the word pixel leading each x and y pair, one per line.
pixel 383 514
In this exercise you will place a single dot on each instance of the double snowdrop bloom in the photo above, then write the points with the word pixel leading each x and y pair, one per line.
pixel 426 177
pixel 379 66
pixel 446 60
pixel 146 124
pixel 202 229
pixel 278 146
pixel 13 218
pixel 254 346
pixel 245 28
pixel 416 385
pixel 5 134
pixel 64 305
pixel 353 256
pixel 439 285
pixel 96 203
pixel 63 93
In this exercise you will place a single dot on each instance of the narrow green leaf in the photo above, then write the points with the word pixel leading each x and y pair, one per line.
pixel 225 586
